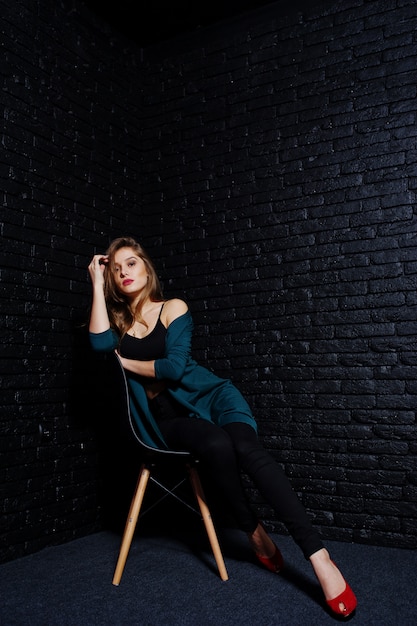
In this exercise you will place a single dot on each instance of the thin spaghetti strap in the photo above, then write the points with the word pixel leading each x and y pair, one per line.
pixel 159 316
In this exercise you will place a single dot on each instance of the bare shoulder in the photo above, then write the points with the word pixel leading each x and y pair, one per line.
pixel 172 309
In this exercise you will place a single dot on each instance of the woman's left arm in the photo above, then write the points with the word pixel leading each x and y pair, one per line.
pixel 141 368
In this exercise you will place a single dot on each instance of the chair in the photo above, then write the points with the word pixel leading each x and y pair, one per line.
pixel 152 458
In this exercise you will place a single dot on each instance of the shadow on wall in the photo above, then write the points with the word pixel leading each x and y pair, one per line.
pixel 93 407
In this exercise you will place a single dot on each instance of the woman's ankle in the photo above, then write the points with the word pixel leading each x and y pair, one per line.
pixel 328 574
pixel 261 542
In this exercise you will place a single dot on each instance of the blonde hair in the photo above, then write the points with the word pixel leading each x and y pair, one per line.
pixel 120 313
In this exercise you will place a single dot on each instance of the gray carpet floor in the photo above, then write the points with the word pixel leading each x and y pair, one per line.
pixel 173 581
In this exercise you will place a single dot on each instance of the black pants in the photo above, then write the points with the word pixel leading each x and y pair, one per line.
pixel 224 452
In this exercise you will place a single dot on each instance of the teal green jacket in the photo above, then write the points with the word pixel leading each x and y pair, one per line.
pixel 203 394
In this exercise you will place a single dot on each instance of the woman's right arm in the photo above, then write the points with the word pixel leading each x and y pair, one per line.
pixel 99 318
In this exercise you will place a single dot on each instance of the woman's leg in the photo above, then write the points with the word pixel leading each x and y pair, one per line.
pixel 274 486
pixel 215 451
pixel 277 491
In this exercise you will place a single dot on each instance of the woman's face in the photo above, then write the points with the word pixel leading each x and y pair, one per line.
pixel 130 273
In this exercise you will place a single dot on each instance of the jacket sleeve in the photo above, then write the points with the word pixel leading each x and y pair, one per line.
pixel 104 342
pixel 177 351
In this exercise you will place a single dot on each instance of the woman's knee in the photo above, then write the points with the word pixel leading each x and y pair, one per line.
pixel 209 442
pixel 217 444
pixel 252 456
pixel 244 438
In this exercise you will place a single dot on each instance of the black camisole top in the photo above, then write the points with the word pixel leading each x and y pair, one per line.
pixel 147 348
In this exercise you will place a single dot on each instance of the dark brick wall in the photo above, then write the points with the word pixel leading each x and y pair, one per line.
pixel 68 178
pixel 269 167
pixel 280 173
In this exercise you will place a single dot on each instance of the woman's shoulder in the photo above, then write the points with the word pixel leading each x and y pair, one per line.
pixel 173 309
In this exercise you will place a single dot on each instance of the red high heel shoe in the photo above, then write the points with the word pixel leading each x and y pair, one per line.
pixel 274 563
pixel 347 598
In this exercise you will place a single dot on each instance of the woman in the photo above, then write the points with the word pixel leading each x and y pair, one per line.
pixel 185 406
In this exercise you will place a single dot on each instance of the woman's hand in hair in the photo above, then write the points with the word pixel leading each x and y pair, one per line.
pixel 96 269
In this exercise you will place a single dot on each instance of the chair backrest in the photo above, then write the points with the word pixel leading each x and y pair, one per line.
pixel 127 423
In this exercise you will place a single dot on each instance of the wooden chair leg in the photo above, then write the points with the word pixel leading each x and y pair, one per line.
pixel 208 522
pixel 132 520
